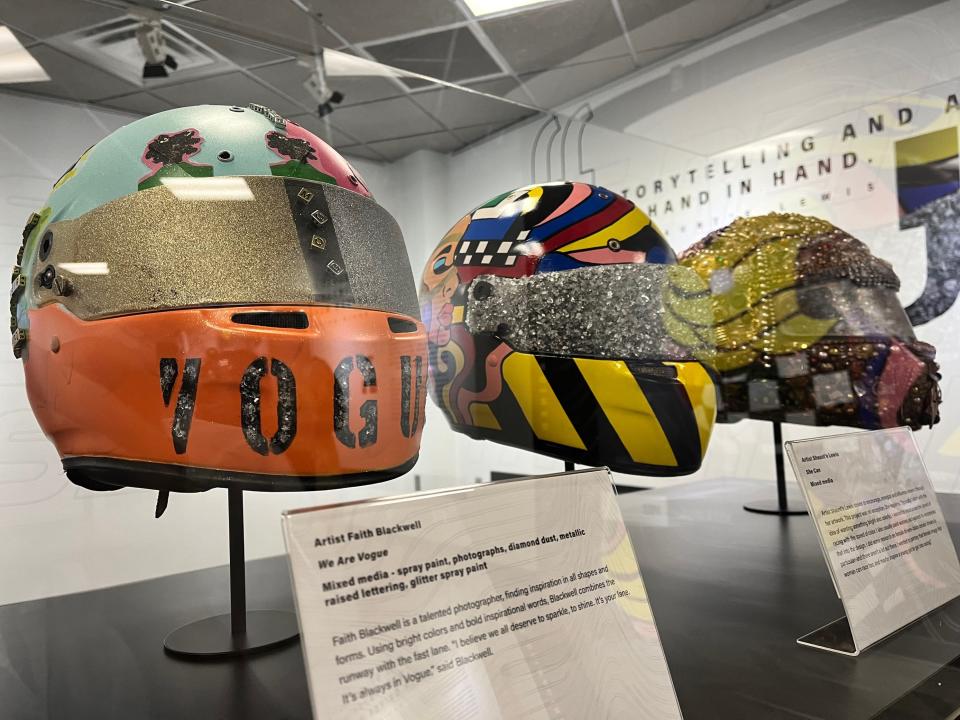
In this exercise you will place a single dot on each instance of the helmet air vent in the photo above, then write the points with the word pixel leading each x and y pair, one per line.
pixel 401 325
pixel 286 320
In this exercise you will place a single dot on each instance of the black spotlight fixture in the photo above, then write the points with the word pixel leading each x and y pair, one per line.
pixel 325 108
pixel 153 45
pixel 318 87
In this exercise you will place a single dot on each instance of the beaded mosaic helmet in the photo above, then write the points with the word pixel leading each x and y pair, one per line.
pixel 808 327
pixel 211 297
pixel 547 331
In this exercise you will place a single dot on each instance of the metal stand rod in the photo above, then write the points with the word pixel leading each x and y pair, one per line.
pixel 238 567
pixel 241 632
pixel 782 507
pixel 778 460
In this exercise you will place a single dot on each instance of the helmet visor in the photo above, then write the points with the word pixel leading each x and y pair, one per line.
pixel 605 311
pixel 195 242
pixel 858 311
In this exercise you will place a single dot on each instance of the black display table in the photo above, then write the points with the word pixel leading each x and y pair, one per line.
pixel 731 591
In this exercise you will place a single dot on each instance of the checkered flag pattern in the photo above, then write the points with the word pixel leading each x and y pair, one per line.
pixel 493 253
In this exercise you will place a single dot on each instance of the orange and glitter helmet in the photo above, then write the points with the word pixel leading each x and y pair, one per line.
pixel 548 331
pixel 211 297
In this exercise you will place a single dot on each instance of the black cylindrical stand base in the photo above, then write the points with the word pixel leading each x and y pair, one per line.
pixel 773 507
pixel 212 637
pixel 239 632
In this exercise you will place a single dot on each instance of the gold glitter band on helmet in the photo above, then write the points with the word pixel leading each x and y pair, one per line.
pixel 226 241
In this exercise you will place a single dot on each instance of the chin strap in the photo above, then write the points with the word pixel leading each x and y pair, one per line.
pixel 163 497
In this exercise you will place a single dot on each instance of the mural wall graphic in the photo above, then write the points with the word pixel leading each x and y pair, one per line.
pixel 928 177
pixel 878 165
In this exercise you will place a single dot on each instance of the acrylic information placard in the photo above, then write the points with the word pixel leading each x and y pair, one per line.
pixel 515 599
pixel 882 531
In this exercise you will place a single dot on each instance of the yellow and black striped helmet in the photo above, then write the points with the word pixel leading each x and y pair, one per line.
pixel 548 330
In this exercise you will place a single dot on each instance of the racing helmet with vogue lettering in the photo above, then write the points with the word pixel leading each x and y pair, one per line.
pixel 211 297
pixel 548 331
pixel 808 327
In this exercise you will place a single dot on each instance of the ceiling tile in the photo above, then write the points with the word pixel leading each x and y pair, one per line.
pixel 237 51
pixel 288 77
pixel 647 55
pixel 637 13
pixel 451 55
pixel 556 87
pixel 140 103
pixel 546 37
pixel 72 79
pixel 501 86
pixel 280 17
pixel 475 133
pixel 456 108
pixel 230 89
pixel 384 120
pixel 363 20
pixel 361 151
pixel 413 83
pixel 25 39
pixel 52 17
pixel 686 23
pixel 323 128
pixel 442 142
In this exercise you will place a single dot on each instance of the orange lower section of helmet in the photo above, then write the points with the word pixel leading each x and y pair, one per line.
pixel 191 399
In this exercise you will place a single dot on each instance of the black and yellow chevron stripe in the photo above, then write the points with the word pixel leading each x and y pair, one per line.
pixel 645 418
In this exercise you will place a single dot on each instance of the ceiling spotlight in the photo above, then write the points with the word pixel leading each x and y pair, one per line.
pixel 482 8
pixel 153 45
pixel 318 87
pixel 16 63
pixel 325 108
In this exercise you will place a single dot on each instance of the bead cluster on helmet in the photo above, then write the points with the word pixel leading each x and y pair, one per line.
pixel 18 285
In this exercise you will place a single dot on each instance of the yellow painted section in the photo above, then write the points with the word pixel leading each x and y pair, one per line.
pixel 927 148
pixel 483 416
pixel 703 397
pixel 627 409
pixel 73 170
pixel 524 206
pixel 539 403
pixel 623 228
pixel 457 314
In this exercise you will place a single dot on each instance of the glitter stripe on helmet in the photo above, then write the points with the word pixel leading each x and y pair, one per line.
pixel 238 240
pixel 608 311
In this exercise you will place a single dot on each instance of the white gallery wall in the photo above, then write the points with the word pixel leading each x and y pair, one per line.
pixel 828 66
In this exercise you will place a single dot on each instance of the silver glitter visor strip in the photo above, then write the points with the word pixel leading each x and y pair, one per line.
pixel 604 311
pixel 860 311
pixel 226 241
